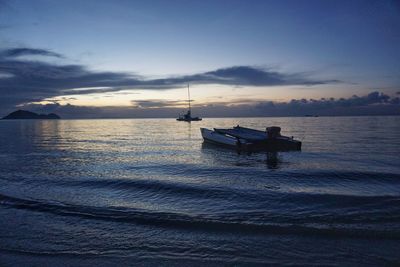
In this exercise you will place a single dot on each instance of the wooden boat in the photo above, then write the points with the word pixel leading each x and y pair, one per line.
pixel 248 139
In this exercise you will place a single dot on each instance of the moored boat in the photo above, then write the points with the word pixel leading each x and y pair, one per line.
pixel 188 116
pixel 248 139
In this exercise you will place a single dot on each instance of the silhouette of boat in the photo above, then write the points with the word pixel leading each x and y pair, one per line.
pixel 248 139
pixel 188 116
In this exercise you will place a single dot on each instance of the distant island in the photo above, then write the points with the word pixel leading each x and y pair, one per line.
pixel 28 115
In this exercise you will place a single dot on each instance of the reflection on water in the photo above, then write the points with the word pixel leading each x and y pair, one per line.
pixel 189 126
pixel 333 139
pixel 272 159
pixel 150 191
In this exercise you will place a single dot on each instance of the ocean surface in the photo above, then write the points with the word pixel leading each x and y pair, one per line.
pixel 148 192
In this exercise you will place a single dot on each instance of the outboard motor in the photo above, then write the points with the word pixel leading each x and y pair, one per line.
pixel 273 131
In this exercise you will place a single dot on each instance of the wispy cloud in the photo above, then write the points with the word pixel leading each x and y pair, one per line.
pixel 16 52
pixel 25 80
pixel 157 103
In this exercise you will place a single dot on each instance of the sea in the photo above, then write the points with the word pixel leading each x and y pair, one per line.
pixel 149 192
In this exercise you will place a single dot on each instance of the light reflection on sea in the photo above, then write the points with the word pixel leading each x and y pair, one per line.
pixel 150 190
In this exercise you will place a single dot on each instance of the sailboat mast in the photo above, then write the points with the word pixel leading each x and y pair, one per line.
pixel 189 97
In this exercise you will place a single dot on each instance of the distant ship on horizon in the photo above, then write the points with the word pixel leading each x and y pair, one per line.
pixel 188 116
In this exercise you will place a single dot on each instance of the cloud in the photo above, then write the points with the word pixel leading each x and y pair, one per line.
pixel 374 103
pixel 371 104
pixel 24 80
pixel 16 52
pixel 157 103
pixel 244 75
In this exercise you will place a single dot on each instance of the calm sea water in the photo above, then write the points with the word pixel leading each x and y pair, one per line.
pixel 149 192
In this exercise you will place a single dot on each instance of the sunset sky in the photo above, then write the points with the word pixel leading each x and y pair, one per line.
pixel 135 58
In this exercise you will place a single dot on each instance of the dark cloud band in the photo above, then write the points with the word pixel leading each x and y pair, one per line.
pixel 26 80
pixel 16 52
pixel 374 103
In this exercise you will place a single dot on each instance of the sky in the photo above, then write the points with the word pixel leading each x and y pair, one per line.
pixel 126 58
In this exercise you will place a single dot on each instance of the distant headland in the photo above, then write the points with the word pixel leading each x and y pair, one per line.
pixel 28 115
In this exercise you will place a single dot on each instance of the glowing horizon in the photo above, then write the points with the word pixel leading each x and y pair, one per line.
pixel 124 54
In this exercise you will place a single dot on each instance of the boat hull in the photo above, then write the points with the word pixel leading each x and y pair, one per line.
pixel 220 139
pixel 282 143
pixel 189 120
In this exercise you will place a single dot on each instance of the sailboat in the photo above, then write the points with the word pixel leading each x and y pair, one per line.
pixel 188 116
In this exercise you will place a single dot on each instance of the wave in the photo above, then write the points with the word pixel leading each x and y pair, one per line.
pixel 228 222
pixel 272 179
pixel 158 186
pixel 190 170
pixel 271 192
